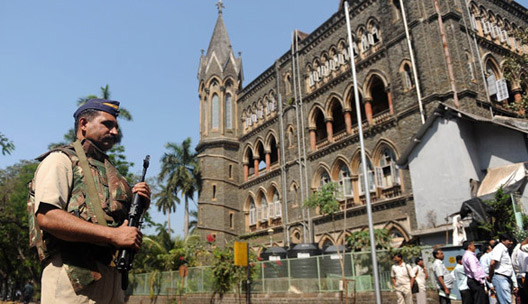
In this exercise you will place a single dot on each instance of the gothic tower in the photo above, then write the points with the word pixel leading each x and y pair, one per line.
pixel 220 79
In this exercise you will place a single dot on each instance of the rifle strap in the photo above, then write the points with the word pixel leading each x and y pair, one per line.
pixel 93 202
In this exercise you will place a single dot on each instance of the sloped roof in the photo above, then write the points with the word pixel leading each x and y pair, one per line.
pixel 446 111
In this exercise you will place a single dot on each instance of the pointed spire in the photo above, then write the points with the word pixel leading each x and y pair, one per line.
pixel 220 43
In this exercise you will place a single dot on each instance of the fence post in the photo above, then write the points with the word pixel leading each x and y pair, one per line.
pixel 352 264
pixel 318 272
pixel 289 275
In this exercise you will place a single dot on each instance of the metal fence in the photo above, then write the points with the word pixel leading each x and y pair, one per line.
pixel 301 275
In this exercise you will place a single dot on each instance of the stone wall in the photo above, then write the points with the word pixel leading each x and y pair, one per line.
pixel 305 298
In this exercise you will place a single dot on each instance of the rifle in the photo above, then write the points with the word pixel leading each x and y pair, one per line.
pixel 135 219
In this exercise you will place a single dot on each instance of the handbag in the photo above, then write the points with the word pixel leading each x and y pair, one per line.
pixel 414 287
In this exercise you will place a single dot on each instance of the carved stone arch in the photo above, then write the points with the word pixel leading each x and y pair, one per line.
pixel 474 8
pixel 483 12
pixel 407 77
pixel 342 237
pixel 332 50
pixel 261 193
pixel 371 76
pixel 355 160
pixel 213 78
pixel 395 230
pixel 296 234
pixel 372 20
pixel 332 98
pixel 491 63
pixel 247 149
pixel 201 86
pixel 336 166
pixel 491 16
pixel 349 97
pixel 311 115
pixel 380 145
pixel 394 225
pixel 273 186
pixel 259 143
pixel 322 168
pixel 250 196
pixel 229 81
pixel 324 240
pixel 269 135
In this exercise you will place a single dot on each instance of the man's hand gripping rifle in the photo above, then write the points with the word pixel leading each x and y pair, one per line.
pixel 135 219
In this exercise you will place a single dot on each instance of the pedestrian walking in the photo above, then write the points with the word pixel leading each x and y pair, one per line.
pixel 402 279
pixel 501 270
pixel 421 275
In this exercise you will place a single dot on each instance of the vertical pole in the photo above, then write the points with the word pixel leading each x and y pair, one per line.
pixel 248 282
pixel 415 73
pixel 363 162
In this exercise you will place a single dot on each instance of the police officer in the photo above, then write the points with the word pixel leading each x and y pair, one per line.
pixel 79 240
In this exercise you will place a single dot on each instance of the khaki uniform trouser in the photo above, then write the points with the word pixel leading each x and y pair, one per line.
pixel 57 289
pixel 404 295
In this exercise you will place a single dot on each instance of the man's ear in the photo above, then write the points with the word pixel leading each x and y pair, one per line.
pixel 83 122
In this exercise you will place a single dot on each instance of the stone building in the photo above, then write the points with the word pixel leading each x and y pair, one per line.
pixel 266 146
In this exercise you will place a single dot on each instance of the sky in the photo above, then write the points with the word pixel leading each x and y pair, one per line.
pixel 53 52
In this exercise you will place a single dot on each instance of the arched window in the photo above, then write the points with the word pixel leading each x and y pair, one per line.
pixel 274 155
pixel 320 125
pixel 370 177
pixel 345 182
pixel 409 84
pixel 469 60
pixel 338 124
pixel 324 179
pixel 252 212
pixel 228 113
pixel 380 101
pixel 275 205
pixel 215 112
pixel 263 208
pixel 387 174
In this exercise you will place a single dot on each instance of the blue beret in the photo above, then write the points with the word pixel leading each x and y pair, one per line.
pixel 105 105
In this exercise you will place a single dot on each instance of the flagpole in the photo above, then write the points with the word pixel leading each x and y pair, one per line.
pixel 363 161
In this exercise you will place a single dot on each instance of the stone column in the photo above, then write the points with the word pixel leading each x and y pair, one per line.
pixel 389 97
pixel 348 121
pixel 368 109
pixel 246 171
pixel 256 165
pixel 313 140
pixel 329 130
pixel 267 157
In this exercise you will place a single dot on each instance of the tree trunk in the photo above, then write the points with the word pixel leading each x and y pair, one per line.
pixel 186 219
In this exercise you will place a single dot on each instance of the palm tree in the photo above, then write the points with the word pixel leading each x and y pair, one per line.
pixel 181 171
pixel 165 201
pixel 193 221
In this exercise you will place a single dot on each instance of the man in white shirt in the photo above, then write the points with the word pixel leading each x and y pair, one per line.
pixel 462 281
pixel 501 270
pixel 443 278
pixel 402 279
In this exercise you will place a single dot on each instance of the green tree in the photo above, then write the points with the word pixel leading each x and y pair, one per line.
pixel 193 221
pixel 166 200
pixel 516 72
pixel 6 144
pixel 325 200
pixel 18 263
pixel 181 172
pixel 502 217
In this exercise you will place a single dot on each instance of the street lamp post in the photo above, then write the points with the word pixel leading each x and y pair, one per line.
pixel 270 232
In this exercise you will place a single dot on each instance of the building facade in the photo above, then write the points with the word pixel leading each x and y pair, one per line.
pixel 266 146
